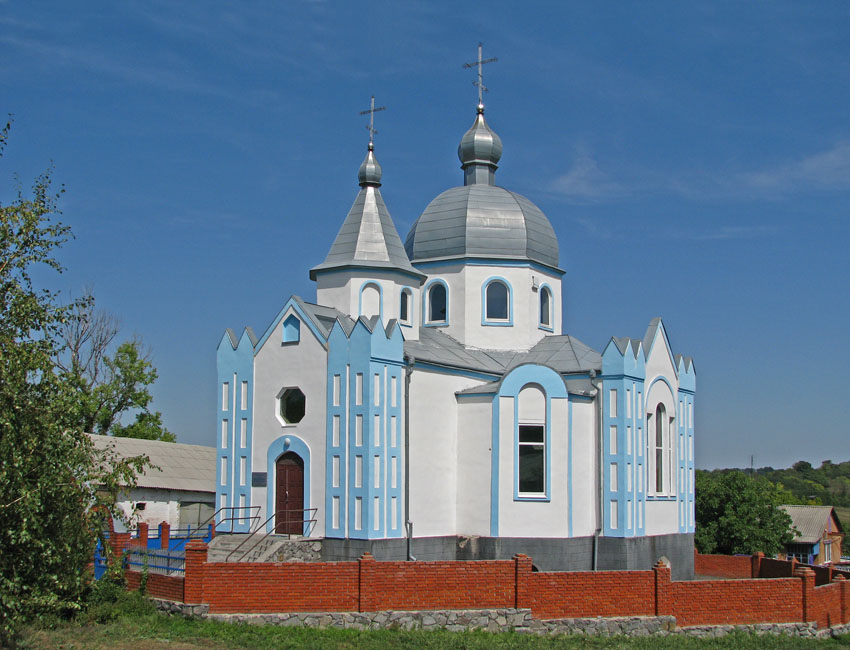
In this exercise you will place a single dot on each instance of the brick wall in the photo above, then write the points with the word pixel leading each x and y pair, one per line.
pixel 737 602
pixel 723 566
pixel 159 586
pixel 776 568
pixel 367 585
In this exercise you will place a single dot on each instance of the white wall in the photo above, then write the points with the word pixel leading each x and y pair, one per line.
pixel 160 504
pixel 433 449
pixel 474 442
pixel 585 469
pixel 277 366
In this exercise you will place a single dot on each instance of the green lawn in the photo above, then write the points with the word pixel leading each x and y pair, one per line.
pixel 158 631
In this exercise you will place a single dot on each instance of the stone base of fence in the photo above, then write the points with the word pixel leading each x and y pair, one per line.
pixel 499 620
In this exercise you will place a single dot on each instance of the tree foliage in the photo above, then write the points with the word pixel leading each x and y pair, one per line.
pixel 54 486
pixel 108 385
pixel 738 513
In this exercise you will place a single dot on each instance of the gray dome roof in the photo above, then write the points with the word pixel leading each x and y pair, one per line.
pixel 481 220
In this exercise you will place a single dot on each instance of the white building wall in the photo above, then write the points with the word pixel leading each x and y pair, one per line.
pixel 474 442
pixel 278 366
pixel 433 444
pixel 585 469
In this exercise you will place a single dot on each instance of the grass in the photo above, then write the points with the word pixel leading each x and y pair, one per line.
pixel 130 623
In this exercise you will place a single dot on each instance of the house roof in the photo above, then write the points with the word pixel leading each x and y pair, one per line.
pixel 181 467
pixel 810 522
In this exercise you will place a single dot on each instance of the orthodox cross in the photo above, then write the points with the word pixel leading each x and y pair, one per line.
pixel 480 83
pixel 372 110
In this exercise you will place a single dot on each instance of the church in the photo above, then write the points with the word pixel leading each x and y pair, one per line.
pixel 428 405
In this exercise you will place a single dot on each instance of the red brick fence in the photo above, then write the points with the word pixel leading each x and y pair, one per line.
pixel 740 596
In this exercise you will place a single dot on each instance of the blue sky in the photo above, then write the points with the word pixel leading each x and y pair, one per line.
pixel 694 159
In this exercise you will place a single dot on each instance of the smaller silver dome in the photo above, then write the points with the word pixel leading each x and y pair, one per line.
pixel 479 151
pixel 370 170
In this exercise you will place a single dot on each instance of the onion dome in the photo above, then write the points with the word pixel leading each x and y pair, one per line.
pixel 479 151
pixel 479 219
pixel 370 170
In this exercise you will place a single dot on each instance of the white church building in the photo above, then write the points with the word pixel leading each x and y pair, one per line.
pixel 431 382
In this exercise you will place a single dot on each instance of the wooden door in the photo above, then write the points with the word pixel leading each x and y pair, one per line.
pixel 289 495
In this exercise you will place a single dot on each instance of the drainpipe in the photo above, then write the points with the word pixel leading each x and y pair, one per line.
pixel 597 384
pixel 408 370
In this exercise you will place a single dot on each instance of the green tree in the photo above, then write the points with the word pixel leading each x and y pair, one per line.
pixel 55 488
pixel 109 386
pixel 738 513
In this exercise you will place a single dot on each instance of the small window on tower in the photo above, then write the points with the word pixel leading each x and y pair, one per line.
pixel 545 308
pixel 497 298
pixel 404 313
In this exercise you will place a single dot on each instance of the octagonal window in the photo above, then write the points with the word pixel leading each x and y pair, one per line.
pixel 292 405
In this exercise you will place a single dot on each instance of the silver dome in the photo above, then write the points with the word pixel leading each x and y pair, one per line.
pixel 482 221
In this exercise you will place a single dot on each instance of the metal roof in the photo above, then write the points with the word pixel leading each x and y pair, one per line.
pixel 368 237
pixel 482 220
pixel 810 522
pixel 564 354
pixel 181 467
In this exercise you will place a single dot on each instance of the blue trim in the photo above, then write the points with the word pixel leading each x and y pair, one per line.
pixel 492 322
pixel 277 449
pixel 291 329
pixel 551 326
pixel 347 269
pixel 488 261
pixel 426 312
pixel 371 283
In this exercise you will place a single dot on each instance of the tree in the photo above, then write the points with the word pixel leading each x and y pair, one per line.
pixel 108 386
pixel 55 488
pixel 738 513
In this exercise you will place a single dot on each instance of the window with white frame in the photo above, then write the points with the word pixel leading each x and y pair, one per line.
pixel 660 451
pixel 437 303
pixel 531 442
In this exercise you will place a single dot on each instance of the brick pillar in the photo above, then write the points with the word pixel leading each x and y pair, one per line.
pixel 844 587
pixel 164 535
pixel 807 582
pixel 193 582
pixel 663 590
pixel 212 530
pixel 522 574
pixel 142 538
pixel 366 563
pixel 120 542
pixel 755 567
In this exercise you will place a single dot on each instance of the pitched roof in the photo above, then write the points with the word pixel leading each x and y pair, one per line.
pixel 809 522
pixel 181 467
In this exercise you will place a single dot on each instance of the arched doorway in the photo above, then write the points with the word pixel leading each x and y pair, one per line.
pixel 289 495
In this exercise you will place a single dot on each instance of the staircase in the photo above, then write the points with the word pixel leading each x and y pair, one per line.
pixel 271 548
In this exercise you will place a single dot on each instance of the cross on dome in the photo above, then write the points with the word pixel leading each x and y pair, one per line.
pixel 371 126
pixel 480 82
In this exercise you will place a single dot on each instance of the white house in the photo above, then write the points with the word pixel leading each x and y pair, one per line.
pixel 431 382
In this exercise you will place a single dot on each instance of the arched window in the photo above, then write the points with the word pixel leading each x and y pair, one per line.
pixel 660 424
pixel 437 303
pixel 405 315
pixel 370 300
pixel 531 441
pixel 497 301
pixel 545 307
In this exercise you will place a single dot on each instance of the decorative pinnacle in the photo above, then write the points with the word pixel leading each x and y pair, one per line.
pixel 371 126
pixel 480 82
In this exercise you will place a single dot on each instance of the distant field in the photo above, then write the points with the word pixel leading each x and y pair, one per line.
pixel 843 513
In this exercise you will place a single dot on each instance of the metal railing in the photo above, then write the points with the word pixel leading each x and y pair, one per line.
pixel 163 562
pixel 307 527
pixel 232 517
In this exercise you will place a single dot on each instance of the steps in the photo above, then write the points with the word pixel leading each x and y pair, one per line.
pixel 271 548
